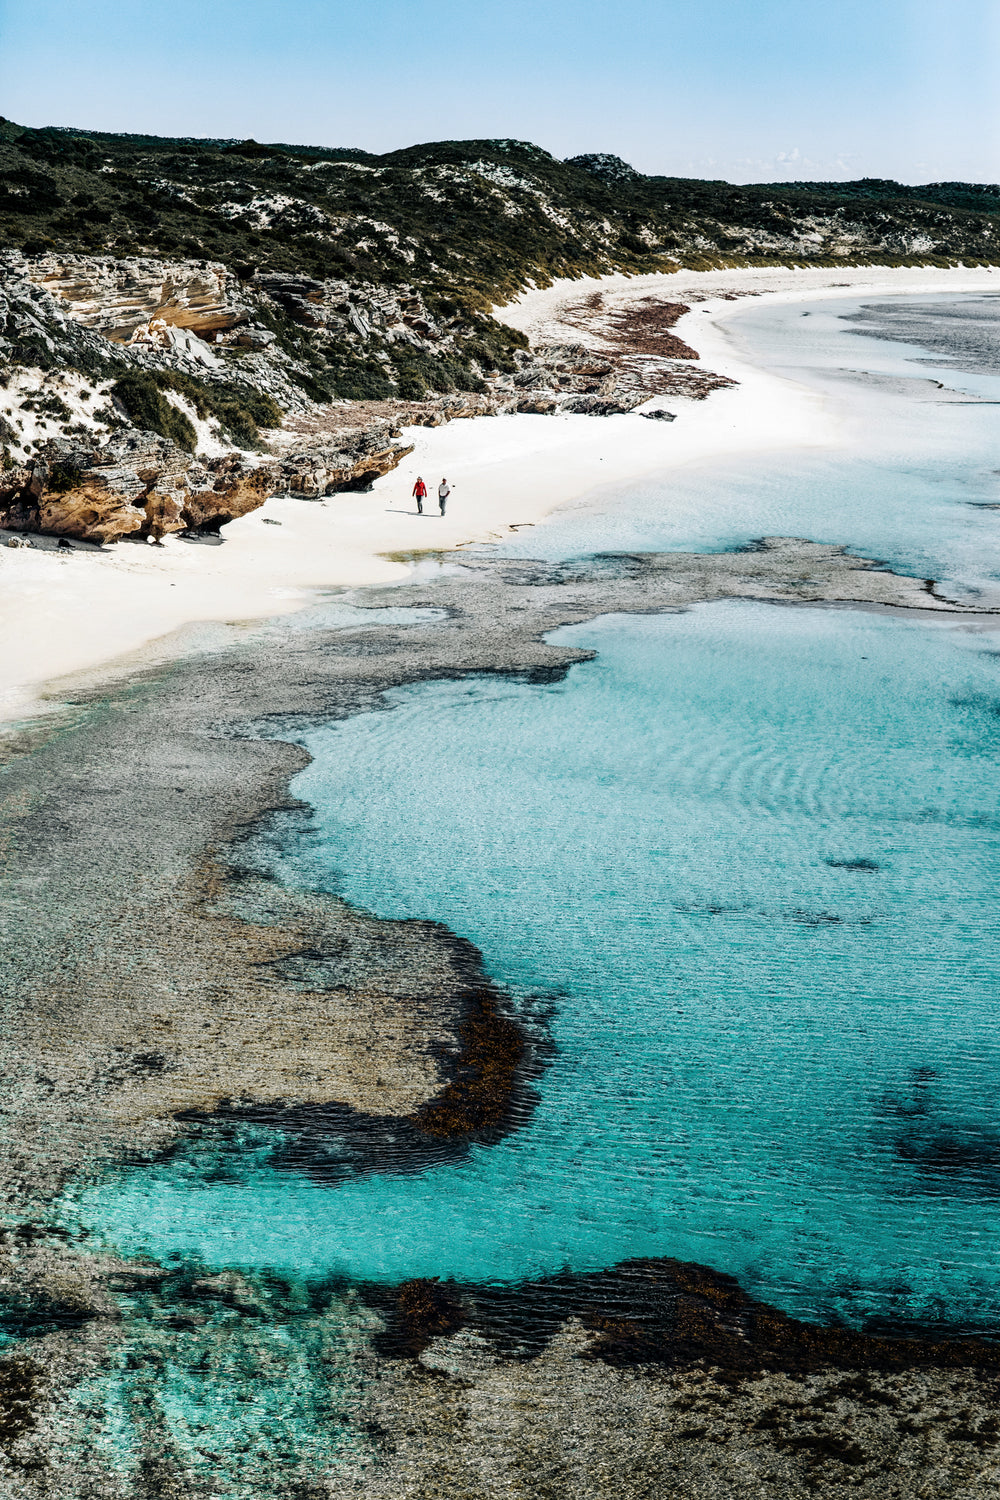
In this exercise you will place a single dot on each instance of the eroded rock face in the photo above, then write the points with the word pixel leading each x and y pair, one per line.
pixel 222 490
pixel 96 494
pixel 118 297
pixel 82 473
pixel 574 378
pixel 141 484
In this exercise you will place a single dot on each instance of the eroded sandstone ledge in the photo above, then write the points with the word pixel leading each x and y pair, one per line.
pixel 141 485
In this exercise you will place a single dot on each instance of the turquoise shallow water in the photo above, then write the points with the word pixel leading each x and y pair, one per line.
pixel 767 1061
pixel 750 853
pixel 910 478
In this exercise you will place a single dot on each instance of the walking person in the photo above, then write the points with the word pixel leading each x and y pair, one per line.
pixel 443 493
pixel 420 492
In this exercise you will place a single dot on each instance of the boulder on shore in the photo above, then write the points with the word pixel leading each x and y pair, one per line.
pixel 139 484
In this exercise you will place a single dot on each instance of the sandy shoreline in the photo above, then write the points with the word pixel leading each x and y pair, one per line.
pixel 144 996
pixel 153 1003
pixel 63 614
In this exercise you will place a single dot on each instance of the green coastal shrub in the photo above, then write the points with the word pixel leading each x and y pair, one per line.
pixel 361 380
pixel 63 477
pixel 140 394
pixel 48 406
pixel 240 412
pixel 410 388
pixel 435 372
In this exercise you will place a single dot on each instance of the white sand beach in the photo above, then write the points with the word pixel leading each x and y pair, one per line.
pixel 66 612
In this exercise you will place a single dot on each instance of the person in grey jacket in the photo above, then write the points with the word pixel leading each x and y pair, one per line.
pixel 443 493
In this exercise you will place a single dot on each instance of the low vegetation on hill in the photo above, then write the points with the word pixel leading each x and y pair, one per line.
pixel 445 230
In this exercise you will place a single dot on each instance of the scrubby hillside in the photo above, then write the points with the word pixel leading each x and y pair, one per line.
pixel 211 292
pixel 446 230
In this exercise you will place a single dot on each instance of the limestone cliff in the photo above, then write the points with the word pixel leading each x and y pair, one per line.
pixel 136 388
pixel 139 484
pixel 119 298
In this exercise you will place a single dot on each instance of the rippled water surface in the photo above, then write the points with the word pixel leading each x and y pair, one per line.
pixel 749 853
pixel 752 851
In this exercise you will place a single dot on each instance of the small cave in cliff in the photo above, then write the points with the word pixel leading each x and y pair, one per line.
pixel 207 531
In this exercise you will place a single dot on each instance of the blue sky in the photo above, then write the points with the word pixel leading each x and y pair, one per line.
pixel 749 90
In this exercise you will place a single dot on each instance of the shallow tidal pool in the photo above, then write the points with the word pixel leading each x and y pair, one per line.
pixel 748 857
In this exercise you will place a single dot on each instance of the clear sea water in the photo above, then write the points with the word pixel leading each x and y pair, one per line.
pixel 749 852
pixel 909 482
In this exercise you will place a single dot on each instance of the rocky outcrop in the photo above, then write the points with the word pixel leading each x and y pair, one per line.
pixel 81 469
pixel 142 485
pixel 574 378
pixel 355 313
pixel 106 317
pixel 118 298
pixel 201 319
pixel 348 461
pixel 606 166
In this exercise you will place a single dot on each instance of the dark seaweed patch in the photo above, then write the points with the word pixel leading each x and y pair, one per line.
pixel 421 1310
pixel 20 1379
pixel 859 866
pixel 708 909
pixel 956 1155
pixel 661 1312
pixel 488 1094
pixel 981 703
pixel 966 1162
pixel 826 919
pixel 480 1094
pixel 820 1447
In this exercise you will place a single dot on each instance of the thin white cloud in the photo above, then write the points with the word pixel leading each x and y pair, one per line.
pixel 791 165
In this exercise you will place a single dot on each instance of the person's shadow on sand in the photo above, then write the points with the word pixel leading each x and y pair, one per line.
pixel 392 510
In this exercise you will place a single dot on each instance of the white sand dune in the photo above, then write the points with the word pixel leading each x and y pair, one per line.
pixel 64 613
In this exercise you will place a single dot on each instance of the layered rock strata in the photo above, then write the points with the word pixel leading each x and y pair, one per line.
pixel 91 475
pixel 141 485
pixel 119 298
pixel 199 317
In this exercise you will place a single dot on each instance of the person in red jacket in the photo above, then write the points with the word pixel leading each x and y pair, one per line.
pixel 419 491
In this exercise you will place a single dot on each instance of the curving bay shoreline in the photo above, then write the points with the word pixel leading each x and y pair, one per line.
pixel 67 614
pixel 161 989
pixel 150 997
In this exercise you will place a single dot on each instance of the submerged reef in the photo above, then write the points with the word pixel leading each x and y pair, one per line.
pixel 163 992
pixel 652 1378
pixel 654 1312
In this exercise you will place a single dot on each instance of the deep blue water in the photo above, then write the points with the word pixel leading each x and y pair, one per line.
pixel 751 853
